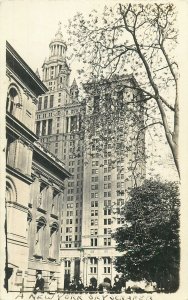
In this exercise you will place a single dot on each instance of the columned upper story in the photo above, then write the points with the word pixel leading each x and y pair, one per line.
pixel 56 71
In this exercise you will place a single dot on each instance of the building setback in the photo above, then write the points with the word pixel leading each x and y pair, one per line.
pixel 97 189
pixel 34 185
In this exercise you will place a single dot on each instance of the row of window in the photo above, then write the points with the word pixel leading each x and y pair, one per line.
pixel 44 127
pixel 44 115
pixel 46 104
pixel 96 195
pixel 78 190
pixel 70 213
pixel 95 231
pixel 76 245
pixel 71 198
pixel 73 169
pixel 107 162
pixel 106 178
pixel 68 238
pixel 106 170
pixel 69 229
pixel 70 221
pixel 106 186
pixel 94 212
pixel 120 202
pixel 95 222
pixel 93 270
pixel 94 242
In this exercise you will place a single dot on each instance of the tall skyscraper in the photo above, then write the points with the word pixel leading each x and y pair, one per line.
pixel 58 124
pixel 98 187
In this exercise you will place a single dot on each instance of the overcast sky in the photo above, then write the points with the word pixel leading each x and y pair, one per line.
pixel 29 26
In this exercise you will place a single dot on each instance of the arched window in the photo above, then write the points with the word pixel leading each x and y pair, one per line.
pixel 39 240
pixel 93 282
pixel 13 100
pixel 106 279
pixel 11 194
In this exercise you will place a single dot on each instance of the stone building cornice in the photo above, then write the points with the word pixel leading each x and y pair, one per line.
pixel 24 72
pixel 19 129
pixel 17 173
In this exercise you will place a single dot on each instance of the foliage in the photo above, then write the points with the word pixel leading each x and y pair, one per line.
pixel 150 236
pixel 136 40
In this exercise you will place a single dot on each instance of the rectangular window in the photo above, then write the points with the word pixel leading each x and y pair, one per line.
pixel 93 270
pixel 95 171
pixel 94 212
pixel 95 179
pixel 106 270
pixel 93 242
pixel 45 102
pixel 107 212
pixel 51 100
pixel 44 127
pixel 50 126
pixel 94 186
pixel 94 203
pixel 107 230
pixel 93 231
pixel 67 264
pixel 38 128
pixel 94 222
pixel 107 221
pixel 107 241
pixel 40 103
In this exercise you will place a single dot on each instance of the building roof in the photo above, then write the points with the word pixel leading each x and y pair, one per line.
pixel 49 161
pixel 20 68
pixel 74 83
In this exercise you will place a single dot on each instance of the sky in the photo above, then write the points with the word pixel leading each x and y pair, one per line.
pixel 29 26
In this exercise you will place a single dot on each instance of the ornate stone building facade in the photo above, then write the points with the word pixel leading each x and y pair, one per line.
pixel 34 185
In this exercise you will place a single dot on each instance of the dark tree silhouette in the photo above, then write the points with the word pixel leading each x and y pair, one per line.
pixel 149 239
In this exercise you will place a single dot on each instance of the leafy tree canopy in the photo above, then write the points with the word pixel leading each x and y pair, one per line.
pixel 138 40
pixel 150 236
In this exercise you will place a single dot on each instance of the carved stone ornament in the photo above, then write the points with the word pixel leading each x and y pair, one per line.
pixel 9 74
pixel 34 100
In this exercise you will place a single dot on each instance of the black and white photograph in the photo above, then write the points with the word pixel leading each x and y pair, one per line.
pixel 94 145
